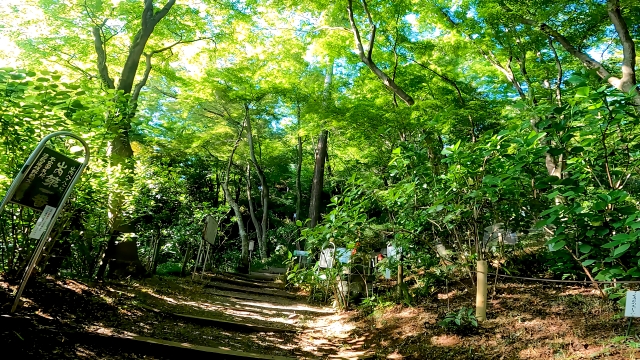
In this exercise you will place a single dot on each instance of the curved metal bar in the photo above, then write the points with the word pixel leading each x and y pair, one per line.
pixel 32 158
pixel 43 240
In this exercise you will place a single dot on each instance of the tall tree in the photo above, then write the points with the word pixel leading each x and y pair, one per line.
pixel 264 189
pixel 318 179
pixel 120 151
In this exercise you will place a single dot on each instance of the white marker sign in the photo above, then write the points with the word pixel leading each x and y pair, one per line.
pixel 326 258
pixel 43 222
pixel 632 306
pixel 251 245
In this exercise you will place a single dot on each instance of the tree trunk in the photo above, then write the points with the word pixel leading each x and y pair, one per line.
pixel 216 199
pixel 298 182
pixel 264 191
pixel 252 212
pixel 185 261
pixel 318 179
pixel 156 253
pixel 400 278
pixel 244 257
pixel 119 151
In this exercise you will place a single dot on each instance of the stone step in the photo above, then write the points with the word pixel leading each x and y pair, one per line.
pixel 241 289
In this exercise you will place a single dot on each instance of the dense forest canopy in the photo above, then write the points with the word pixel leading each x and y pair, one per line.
pixel 302 123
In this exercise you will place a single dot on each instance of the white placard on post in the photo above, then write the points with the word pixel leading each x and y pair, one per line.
pixel 251 245
pixel 43 222
pixel 326 258
pixel 632 306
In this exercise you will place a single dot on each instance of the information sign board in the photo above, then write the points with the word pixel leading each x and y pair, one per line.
pixel 43 222
pixel 46 181
pixel 632 305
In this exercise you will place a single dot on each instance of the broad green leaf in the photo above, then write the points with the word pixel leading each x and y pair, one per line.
pixel 621 250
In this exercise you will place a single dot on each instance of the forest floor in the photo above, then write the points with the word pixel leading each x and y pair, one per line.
pixel 226 313
pixel 66 319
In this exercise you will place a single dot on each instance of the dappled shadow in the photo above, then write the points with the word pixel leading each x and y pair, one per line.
pixel 52 314
pixel 182 296
pixel 54 307
pixel 525 321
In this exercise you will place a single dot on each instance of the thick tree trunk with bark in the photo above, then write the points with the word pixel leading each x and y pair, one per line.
pixel 120 151
pixel 318 179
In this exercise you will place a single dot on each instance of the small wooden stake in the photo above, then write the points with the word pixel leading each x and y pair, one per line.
pixel 481 294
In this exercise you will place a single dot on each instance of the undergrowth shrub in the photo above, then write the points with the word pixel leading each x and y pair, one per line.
pixel 461 322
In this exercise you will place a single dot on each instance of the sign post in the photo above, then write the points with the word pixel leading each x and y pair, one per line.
pixel 481 294
pixel 632 307
pixel 44 184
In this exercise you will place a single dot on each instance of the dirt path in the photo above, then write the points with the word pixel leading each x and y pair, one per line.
pixel 236 314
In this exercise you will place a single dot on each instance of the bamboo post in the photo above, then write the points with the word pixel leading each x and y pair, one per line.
pixel 481 294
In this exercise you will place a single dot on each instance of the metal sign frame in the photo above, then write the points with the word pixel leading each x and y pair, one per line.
pixel 14 187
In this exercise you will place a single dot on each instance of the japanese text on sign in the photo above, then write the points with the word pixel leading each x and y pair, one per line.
pixel 632 305
pixel 43 222
pixel 46 181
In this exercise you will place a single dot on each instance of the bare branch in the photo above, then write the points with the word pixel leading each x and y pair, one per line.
pixel 143 81
pixel 169 47
pixel 506 70
pixel 559 68
pixel 138 88
pixel 233 151
pixel 165 93
pixel 628 81
pixel 147 14
pixel 395 59
pixel 366 58
pixel 444 78
pixel 356 32
pixel 448 17
pixel 628 47
pixel 100 48
pixel 372 36
pixel 163 12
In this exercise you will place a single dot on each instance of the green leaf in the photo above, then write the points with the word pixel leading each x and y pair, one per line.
pixel 621 250
pixel 612 244
pixel 584 248
pixel 576 79
pixel 557 245
pixel 588 262
pixel 583 91
pixel 622 237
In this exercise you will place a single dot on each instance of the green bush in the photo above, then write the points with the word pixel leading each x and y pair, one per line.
pixel 461 322
pixel 169 268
